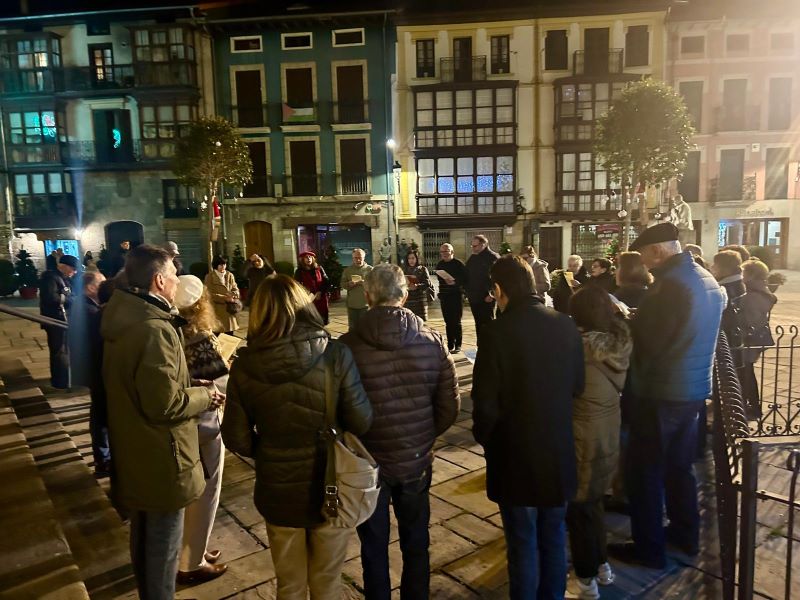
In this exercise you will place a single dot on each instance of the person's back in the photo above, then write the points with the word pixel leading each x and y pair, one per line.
pixel 675 333
pixel 410 380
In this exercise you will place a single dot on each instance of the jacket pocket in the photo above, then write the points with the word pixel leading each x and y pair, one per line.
pixel 185 446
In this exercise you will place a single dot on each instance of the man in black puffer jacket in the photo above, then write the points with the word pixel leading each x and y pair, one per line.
pixel 410 379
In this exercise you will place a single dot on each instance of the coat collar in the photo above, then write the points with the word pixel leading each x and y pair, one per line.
pixel 518 304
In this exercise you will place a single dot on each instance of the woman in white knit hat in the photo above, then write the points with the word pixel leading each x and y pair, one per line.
pixel 205 362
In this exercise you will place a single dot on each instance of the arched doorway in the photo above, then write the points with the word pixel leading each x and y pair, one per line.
pixel 258 239
pixel 119 231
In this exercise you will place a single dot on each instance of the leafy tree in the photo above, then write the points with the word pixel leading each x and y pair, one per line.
pixel 212 154
pixel 644 139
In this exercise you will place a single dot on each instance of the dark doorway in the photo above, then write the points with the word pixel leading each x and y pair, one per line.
pixel 595 44
pixel 689 186
pixel 112 136
pixel 248 110
pixel 462 59
pixel 350 94
pixel 550 246
pixel 259 188
pixel 119 231
pixel 303 156
pixel 731 175
pixel 299 88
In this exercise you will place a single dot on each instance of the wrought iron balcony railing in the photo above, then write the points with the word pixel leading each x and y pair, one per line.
pixel 732 191
pixel 350 112
pixel 353 183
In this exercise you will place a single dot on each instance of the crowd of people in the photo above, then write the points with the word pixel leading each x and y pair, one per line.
pixel 604 391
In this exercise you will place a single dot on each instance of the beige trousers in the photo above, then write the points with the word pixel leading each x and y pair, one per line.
pixel 308 560
pixel 198 519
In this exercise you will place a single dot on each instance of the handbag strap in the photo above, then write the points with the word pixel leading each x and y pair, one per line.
pixel 330 506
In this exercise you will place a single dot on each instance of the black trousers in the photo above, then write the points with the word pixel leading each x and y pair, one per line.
pixel 750 394
pixel 59 357
pixel 587 536
pixel 482 312
pixel 452 310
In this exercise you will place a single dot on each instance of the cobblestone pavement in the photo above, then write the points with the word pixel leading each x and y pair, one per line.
pixel 467 546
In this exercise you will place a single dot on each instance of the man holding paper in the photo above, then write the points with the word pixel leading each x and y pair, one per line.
pixel 353 281
pixel 452 274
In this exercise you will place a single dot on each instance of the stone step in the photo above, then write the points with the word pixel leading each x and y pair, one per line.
pixel 37 558
pixel 95 533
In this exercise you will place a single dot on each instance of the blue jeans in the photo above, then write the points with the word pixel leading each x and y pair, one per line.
pixel 659 471
pixel 537 551
pixel 155 543
pixel 413 511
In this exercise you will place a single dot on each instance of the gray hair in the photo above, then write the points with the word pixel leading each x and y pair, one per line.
pixel 576 258
pixel 386 284
pixel 359 250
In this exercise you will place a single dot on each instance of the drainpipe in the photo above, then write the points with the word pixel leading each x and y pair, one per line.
pixel 537 107
pixel 6 183
pixel 390 196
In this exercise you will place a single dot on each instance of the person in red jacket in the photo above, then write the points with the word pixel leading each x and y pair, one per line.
pixel 411 383
pixel 315 280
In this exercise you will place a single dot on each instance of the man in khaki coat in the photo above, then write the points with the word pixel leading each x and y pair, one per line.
pixel 353 281
pixel 151 412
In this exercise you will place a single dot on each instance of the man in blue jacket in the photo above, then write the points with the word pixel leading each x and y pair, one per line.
pixel 675 333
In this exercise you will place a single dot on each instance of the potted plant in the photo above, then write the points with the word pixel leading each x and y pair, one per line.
pixel 27 275
pixel 8 278
pixel 775 280
pixel 334 269
pixel 505 248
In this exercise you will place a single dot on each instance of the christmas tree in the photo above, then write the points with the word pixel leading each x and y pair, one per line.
pixel 613 249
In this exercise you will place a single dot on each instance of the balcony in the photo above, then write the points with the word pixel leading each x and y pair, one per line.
pixel 187 211
pixel 732 192
pixel 737 118
pixel 350 112
pixel 299 113
pixel 33 153
pixel 597 63
pixel 261 187
pixel 44 211
pixel 303 185
pixel 353 184
pixel 87 153
pixel 87 79
pixel 471 68
pixel 465 206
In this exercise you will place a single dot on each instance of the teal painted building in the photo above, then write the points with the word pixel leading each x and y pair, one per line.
pixel 310 93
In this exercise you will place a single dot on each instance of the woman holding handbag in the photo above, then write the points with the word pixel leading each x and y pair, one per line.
pixel 276 413
pixel 224 292
pixel 204 359
pixel 420 291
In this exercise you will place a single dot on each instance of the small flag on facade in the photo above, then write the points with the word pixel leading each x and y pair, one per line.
pixel 298 115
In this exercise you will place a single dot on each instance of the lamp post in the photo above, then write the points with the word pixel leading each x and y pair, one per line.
pixel 391 218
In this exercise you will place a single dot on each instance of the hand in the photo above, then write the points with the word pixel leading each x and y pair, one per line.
pixel 202 382
pixel 488 299
pixel 575 283
pixel 318 295
pixel 217 399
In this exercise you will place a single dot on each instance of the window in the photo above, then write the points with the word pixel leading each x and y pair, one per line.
pixel 353 176
pixel 101 60
pixel 781 42
pixel 555 50
pixel 259 188
pixel 32 59
pixel 249 109
pixel 637 46
pixel 348 37
pixel 465 117
pixel 780 103
pixel 98 28
pixel 738 42
pixel 500 54
pixel 731 174
pixel 593 240
pixel 42 195
pixel 692 92
pixel 426 58
pixel 579 105
pixel 179 201
pixel 303 160
pixel 297 41
pixel 689 186
pixel 299 106
pixel 693 44
pixel 465 185
pixel 250 43
pixel 776 185
pixel 38 127
pixel 163 45
pixel 161 125
pixel 583 185
pixel 734 94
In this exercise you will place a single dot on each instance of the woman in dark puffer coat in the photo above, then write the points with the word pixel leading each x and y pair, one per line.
pixel 607 346
pixel 275 413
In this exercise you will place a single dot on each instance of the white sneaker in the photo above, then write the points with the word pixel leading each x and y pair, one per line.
pixel 605 576
pixel 581 589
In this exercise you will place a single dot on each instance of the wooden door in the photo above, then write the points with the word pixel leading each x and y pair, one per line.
pixel 550 248
pixel 353 161
pixel 595 45
pixel 249 110
pixel 462 59
pixel 303 156
pixel 258 240
pixel 350 94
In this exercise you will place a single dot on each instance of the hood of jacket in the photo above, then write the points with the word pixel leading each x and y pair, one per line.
pixel 610 348
pixel 756 286
pixel 126 310
pixel 388 327
pixel 287 359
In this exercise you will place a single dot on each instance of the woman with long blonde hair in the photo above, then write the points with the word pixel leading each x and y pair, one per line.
pixel 276 413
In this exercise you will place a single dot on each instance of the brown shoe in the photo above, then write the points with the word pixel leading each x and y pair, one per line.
pixel 212 556
pixel 201 575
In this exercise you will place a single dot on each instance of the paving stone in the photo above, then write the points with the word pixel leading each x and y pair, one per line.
pixel 243 573
pixel 467 492
pixel 236 470
pixel 463 458
pixel 445 588
pixel 234 541
pixel 441 510
pixel 477 530
pixel 444 470
pixel 483 570
pixel 237 499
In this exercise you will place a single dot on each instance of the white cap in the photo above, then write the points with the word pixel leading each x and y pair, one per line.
pixel 172 248
pixel 190 288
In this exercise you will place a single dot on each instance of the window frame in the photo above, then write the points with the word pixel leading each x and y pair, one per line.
pixel 191 209
pixel 297 34
pixel 694 53
pixel 737 51
pixel 566 50
pixel 781 49
pixel 428 44
pixel 48 195
pixel 628 53
pixel 162 143
pixel 168 45
pixel 351 30
pixel 500 66
pixel 238 38
pixel 611 191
